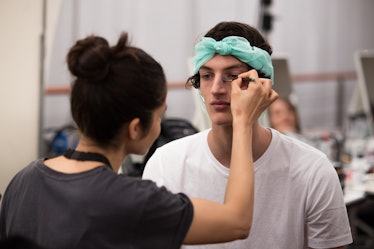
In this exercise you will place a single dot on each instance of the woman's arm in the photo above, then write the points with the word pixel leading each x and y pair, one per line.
pixel 214 222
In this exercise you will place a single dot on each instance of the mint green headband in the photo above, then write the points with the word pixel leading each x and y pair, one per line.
pixel 237 46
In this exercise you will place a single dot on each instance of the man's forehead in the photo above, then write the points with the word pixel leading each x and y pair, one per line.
pixel 224 62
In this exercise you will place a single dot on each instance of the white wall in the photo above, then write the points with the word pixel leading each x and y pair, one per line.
pixel 20 28
pixel 318 36
pixel 167 29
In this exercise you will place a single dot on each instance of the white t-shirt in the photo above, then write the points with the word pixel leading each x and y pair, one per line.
pixel 298 197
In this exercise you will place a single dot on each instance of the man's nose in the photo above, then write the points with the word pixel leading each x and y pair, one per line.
pixel 219 85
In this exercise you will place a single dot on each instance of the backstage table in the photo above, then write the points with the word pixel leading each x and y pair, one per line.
pixel 355 195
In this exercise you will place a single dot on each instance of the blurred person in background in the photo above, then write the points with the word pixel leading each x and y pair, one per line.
pixel 283 116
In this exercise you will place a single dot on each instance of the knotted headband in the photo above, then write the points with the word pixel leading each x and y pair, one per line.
pixel 237 46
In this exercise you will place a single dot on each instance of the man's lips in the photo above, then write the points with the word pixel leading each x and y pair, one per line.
pixel 220 105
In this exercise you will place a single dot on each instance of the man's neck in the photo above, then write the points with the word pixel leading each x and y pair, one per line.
pixel 220 142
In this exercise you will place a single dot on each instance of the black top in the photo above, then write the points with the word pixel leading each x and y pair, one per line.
pixel 94 209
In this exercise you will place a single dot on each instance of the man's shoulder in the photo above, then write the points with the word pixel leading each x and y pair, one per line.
pixel 185 142
pixel 296 143
pixel 178 150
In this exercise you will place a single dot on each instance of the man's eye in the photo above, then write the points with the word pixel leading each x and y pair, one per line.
pixel 233 77
pixel 229 77
pixel 206 76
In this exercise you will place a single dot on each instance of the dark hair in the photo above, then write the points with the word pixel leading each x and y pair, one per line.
pixel 113 85
pixel 225 29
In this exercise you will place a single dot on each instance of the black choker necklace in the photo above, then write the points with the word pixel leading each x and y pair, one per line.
pixel 86 156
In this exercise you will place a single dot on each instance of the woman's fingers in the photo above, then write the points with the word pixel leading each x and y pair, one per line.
pixel 251 93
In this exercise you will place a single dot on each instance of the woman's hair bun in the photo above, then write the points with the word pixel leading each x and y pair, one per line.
pixel 89 58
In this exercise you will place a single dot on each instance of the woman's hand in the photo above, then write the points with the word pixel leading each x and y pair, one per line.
pixel 251 95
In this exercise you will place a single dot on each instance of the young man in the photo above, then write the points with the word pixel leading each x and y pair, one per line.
pixel 298 198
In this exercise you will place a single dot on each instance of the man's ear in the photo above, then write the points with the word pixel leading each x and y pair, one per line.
pixel 135 129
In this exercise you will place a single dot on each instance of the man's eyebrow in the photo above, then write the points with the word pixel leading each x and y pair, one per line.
pixel 236 66
pixel 206 68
